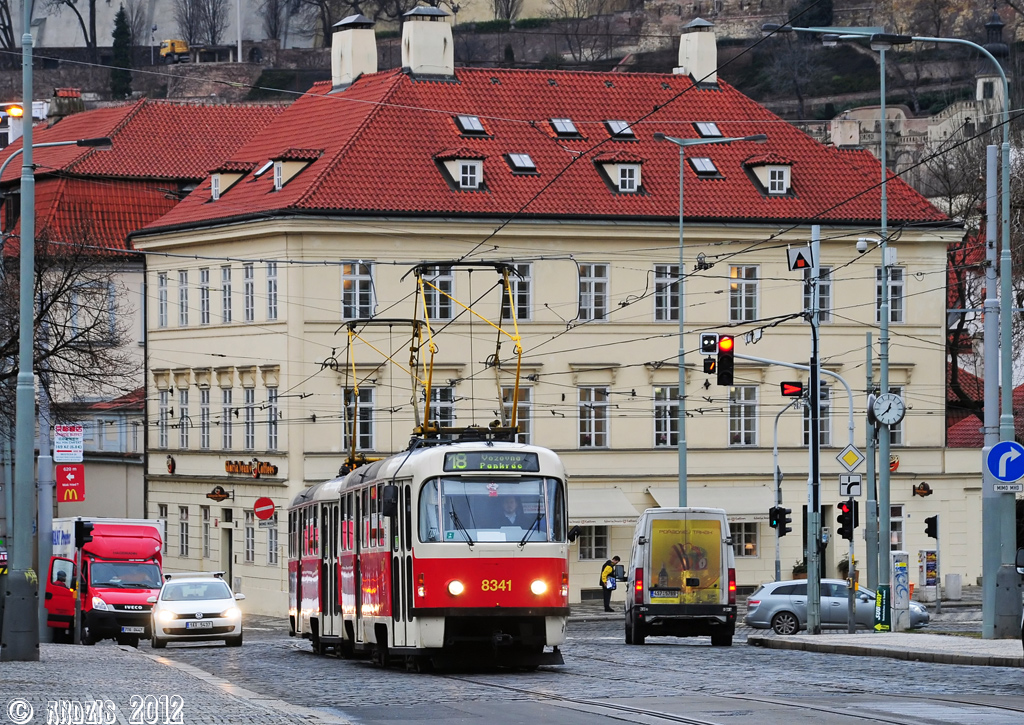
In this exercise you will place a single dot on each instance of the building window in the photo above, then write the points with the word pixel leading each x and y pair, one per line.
pixel 593 543
pixel 706 129
pixel 896 278
pixel 629 178
pixel 250 537
pixel 593 413
pixel 183 531
pixel 666 293
pixel 248 292
pixel 896 527
pixel 470 126
pixel 215 186
pixel 744 539
pixel 824 418
pixel 896 431
pixel 521 288
pixel 593 291
pixel 161 298
pixel 521 164
pixel 361 415
pixel 564 128
pixel 206 531
pixel 225 294
pixel 743 415
pixel 778 180
pixel 184 423
pixel 356 290
pixel 824 293
pixel 272 544
pixel 442 406
pixel 204 419
pixel 204 296
pixel 271 290
pixel 226 414
pixel 163 412
pixel 988 90
pixel 470 174
pixel 438 286
pixel 182 298
pixel 620 130
pixel 161 513
pixel 666 416
pixel 524 411
pixel 249 420
pixel 703 166
pixel 743 294
pixel 278 175
pixel 272 409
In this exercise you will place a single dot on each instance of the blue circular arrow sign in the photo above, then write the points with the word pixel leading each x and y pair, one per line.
pixel 1006 461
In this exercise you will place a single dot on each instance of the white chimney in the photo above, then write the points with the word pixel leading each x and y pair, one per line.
pixel 845 131
pixel 353 50
pixel 698 52
pixel 427 47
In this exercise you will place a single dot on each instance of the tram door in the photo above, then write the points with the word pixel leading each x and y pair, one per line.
pixel 361 534
pixel 329 570
pixel 399 530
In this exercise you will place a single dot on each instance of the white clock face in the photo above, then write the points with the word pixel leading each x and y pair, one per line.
pixel 889 408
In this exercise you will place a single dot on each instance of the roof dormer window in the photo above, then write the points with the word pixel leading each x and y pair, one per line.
pixel 471 174
pixel 773 174
pixel 521 164
pixel 704 166
pixel 470 126
pixel 278 175
pixel 462 168
pixel 778 179
pixel 565 128
pixel 706 129
pixel 214 186
pixel 629 178
pixel 620 129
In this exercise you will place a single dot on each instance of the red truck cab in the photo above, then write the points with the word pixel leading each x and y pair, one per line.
pixel 120 570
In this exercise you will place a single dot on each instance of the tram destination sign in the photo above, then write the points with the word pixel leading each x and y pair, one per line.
pixel 491 461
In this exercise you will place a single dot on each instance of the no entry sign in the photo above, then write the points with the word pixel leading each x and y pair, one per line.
pixel 264 508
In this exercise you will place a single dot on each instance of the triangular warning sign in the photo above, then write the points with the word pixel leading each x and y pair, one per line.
pixel 799 258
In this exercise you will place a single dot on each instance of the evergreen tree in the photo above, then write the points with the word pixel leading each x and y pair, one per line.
pixel 120 75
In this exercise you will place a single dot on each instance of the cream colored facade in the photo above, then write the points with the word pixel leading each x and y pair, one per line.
pixel 625 358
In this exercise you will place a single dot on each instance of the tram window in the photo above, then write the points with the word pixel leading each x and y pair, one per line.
pixel 344 522
pixel 291 534
pixel 364 529
pixel 407 531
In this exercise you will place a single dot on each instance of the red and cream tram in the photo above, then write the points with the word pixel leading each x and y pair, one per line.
pixel 441 552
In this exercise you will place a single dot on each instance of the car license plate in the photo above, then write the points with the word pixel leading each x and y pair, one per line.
pixel 658 594
pixel 204 624
pixel 133 630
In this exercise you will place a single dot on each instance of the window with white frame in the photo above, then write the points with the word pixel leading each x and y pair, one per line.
pixel 629 178
pixel 438 286
pixel 824 286
pixel 896 294
pixel 521 288
pixel 743 415
pixel 593 291
pixel 666 293
pixel 524 411
pixel 183 531
pixel 778 179
pixel 744 539
pixel 184 423
pixel 182 298
pixel 226 418
pixel 896 517
pixel 248 292
pixel 278 175
pixel 204 418
pixel 593 415
pixel 215 186
pixel 593 542
pixel 225 293
pixel 271 290
pixel 743 293
pixel 161 299
pixel 163 412
pixel 272 541
pixel 824 418
pixel 666 416
pixel 272 414
pixel 249 419
pixel 358 412
pixel 250 537
pixel 206 531
pixel 471 174
pixel 161 513
pixel 356 290
pixel 204 296
pixel 442 405
pixel 896 431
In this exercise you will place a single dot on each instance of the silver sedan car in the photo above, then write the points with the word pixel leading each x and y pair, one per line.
pixel 782 606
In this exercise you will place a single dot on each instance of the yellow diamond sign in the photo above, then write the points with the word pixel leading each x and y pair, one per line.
pixel 849 458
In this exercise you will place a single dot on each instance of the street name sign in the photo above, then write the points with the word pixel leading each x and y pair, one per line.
pixel 1008 487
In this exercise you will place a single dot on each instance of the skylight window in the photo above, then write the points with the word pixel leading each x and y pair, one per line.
pixel 707 129
pixel 564 127
pixel 703 166
pixel 262 170
pixel 470 125
pixel 522 163
pixel 620 129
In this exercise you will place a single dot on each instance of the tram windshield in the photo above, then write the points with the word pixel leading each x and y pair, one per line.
pixel 472 510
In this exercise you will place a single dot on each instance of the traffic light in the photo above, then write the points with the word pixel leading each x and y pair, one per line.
pixel 726 348
pixel 792 389
pixel 849 518
pixel 709 365
pixel 83 533
pixel 931 526
pixel 708 343
pixel 773 517
pixel 785 520
pixel 14 110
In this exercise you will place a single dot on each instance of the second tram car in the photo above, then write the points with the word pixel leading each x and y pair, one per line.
pixel 441 552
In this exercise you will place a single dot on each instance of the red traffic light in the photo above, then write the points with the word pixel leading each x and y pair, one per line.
pixel 725 343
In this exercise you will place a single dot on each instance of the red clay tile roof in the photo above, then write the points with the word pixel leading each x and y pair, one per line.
pixel 380 136
pixel 236 167
pixel 765 159
pixel 300 155
pixel 459 152
pixel 133 401
pixel 964 428
pixel 619 157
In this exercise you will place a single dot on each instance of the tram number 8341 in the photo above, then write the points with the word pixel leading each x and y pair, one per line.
pixel 496 585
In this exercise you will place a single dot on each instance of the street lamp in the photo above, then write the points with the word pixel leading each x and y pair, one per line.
pixel 683 143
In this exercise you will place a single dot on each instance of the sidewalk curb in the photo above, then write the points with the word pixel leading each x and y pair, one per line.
pixel 812 644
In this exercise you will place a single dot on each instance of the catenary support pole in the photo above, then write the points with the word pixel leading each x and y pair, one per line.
pixel 814 482
pixel 871 508
pixel 45 491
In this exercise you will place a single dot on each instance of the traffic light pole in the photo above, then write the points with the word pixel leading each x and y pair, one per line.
pixel 778 483
pixel 814 480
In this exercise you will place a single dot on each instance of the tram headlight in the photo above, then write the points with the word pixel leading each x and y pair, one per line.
pixel 455 587
pixel 538 586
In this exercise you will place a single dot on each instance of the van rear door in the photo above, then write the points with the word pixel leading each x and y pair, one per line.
pixel 686 560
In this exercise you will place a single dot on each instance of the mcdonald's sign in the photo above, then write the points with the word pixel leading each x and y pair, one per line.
pixel 70 478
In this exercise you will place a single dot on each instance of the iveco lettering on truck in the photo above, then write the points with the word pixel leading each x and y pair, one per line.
pixel 120 569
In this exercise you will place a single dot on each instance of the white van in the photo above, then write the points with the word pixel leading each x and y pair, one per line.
pixel 682 580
